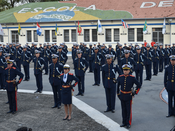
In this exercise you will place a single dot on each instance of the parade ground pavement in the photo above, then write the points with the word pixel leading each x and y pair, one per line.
pixel 148 109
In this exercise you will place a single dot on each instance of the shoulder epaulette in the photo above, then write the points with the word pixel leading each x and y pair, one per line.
pixel 121 75
pixel 70 74
pixel 14 68
pixel 83 58
pixel 62 74
pixel 131 75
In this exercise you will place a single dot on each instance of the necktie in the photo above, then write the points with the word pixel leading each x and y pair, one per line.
pixel 64 76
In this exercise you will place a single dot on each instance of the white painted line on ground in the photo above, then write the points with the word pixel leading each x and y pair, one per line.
pixel 91 112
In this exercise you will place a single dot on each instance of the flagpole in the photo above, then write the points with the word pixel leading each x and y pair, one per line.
pixel 76 32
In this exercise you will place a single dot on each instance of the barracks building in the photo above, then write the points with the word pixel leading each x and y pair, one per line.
pixel 110 12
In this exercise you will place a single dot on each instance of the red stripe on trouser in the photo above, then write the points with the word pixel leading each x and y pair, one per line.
pixel 130 120
pixel 16 100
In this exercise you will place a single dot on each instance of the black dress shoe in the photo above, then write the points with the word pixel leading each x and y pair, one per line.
pixel 14 112
pixel 82 94
pixel 145 79
pixel 149 79
pixel 66 118
pixel 107 111
pixel 36 91
pixel 128 126
pixel 54 106
pixel 169 115
pixel 123 125
pixel 40 91
pixel 59 107
pixel 7 103
pixel 113 111
pixel 94 84
pixel 25 80
pixel 98 84
pixel 9 112
pixel 78 94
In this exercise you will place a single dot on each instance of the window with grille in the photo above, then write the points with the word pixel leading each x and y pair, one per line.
pixel 131 34
pixel 66 35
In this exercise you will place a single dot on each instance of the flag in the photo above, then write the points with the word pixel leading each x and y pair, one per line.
pixel 38 29
pixel 1 30
pixel 19 29
pixel 56 30
pixel 99 27
pixel 124 24
pixel 164 27
pixel 79 28
pixel 145 28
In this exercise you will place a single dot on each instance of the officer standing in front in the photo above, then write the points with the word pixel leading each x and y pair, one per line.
pixel 80 66
pixel 109 82
pixel 39 65
pixel 56 69
pixel 11 85
pixel 169 83
pixel 125 94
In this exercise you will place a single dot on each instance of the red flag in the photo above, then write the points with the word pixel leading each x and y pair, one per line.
pixel 79 28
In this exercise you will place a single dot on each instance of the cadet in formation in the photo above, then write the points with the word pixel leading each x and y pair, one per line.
pixel 39 65
pixel 109 82
pixel 80 67
pixel 56 69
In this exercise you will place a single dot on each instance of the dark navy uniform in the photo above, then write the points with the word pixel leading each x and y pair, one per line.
pixel 119 53
pixel 166 57
pixel 11 50
pixel 80 66
pixel 169 83
pixel 46 55
pixel 67 87
pixel 139 59
pixel 97 58
pixel 112 52
pixel 125 93
pixel 155 61
pixel 130 61
pixel 26 57
pixel 90 59
pixel 109 83
pixel 39 65
pixel 161 59
pixel 11 87
pixel 62 57
pixel 2 71
pixel 54 78
pixel 17 58
pixel 85 53
pixel 148 62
